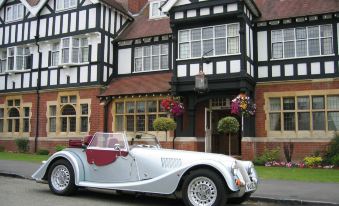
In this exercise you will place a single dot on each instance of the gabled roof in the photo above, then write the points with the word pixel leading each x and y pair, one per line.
pixel 280 9
pixel 140 84
pixel 142 26
pixel 34 6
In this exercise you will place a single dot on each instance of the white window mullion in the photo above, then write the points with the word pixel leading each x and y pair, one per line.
pixel 319 40
pixel 70 54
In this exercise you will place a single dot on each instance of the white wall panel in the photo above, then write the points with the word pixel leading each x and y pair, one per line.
pixel 204 11
pixel 1 32
pixel 221 67
pixel 26 80
pixel 276 72
pixel 194 69
pixel 315 68
pixel 262 72
pixel 53 77
pixel 124 61
pixel 218 9
pixel 106 19
pixel 262 46
pixel 44 78
pixel 112 20
pixel 234 66
pixel 42 28
pixel 73 74
pixel 302 69
pixel 32 31
pixel 50 26
pixel 57 25
pixel 2 82
pixel 192 13
pixel 83 74
pixel 247 40
pixel 92 14
pixel 232 7
pixel 182 71
pixel 13 29
pixel 19 37
pixel 26 31
pixel 44 50
pixel 104 75
pixel 82 20
pixel 65 23
pixel 73 21
pixel 94 73
pixel 34 79
pixel 329 67
pixel 289 70
pixel 118 23
pixel 6 34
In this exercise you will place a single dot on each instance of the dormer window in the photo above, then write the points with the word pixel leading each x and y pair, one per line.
pixel 155 11
pixel 14 12
pixel 65 4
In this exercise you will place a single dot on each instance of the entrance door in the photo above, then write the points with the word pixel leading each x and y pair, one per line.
pixel 220 142
pixel 208 130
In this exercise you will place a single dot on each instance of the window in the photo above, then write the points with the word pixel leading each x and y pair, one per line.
pixel 151 58
pixel 18 59
pixel 209 41
pixel 304 113
pixel 15 117
pixel 136 116
pixel 55 54
pixel 14 12
pixel 70 116
pixel 74 50
pixel 155 11
pixel 302 42
pixel 3 61
pixel 65 4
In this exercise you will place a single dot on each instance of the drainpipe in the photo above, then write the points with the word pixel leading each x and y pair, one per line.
pixel 37 123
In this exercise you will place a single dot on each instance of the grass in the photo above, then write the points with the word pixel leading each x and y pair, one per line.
pixel 23 157
pixel 298 174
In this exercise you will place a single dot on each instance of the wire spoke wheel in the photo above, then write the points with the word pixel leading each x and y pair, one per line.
pixel 202 191
pixel 60 177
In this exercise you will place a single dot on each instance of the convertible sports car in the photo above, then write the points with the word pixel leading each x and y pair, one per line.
pixel 107 161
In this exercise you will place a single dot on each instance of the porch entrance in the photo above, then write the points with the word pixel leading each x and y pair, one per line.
pixel 216 142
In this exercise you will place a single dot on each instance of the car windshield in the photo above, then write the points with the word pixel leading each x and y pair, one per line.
pixel 145 140
pixel 108 141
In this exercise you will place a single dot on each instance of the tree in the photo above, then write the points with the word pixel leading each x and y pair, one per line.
pixel 228 125
pixel 164 124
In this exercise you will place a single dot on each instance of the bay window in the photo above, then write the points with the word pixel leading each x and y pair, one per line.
pixel 151 58
pixel 14 12
pixel 18 58
pixel 209 41
pixel 302 42
pixel 73 50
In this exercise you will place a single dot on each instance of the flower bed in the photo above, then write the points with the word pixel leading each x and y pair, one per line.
pixel 295 165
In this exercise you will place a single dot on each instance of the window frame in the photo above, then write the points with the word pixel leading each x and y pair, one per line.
pixel 24 56
pixel 307 39
pixel 61 7
pixel 213 38
pixel 143 56
pixel 71 48
pixel 147 114
pixel 153 5
pixel 19 15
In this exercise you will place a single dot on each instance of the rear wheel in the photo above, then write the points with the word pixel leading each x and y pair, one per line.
pixel 61 178
pixel 204 187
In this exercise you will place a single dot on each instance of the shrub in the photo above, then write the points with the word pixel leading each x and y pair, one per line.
pixel 58 148
pixel 22 144
pixel 312 161
pixel 335 160
pixel 42 152
pixel 333 150
pixel 164 124
pixel 2 148
pixel 269 155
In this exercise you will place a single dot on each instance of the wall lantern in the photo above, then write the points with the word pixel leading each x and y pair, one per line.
pixel 201 82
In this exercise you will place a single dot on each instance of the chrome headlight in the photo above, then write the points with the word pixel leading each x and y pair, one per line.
pixel 234 168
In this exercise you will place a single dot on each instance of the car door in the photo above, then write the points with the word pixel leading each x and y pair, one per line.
pixel 109 161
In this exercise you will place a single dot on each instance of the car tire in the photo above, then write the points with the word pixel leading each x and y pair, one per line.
pixel 61 178
pixel 204 187
pixel 239 200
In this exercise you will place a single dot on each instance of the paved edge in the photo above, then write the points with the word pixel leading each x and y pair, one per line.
pixel 9 174
pixel 290 201
pixel 253 198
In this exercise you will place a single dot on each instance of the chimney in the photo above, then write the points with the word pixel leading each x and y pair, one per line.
pixel 134 6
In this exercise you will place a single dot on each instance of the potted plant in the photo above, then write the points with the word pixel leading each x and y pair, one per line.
pixel 228 125
pixel 164 124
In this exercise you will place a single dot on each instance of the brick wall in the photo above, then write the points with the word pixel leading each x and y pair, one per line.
pixel 134 6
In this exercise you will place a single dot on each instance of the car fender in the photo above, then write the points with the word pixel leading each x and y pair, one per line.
pixel 41 174
pixel 219 167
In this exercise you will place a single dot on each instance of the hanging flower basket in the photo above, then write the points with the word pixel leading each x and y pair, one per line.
pixel 173 106
pixel 243 105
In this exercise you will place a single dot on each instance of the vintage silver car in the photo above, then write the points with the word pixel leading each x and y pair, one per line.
pixel 108 161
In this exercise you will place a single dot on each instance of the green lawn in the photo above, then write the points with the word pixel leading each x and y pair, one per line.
pixel 23 157
pixel 298 174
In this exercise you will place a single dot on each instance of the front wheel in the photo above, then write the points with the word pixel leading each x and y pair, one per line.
pixel 204 187
pixel 61 178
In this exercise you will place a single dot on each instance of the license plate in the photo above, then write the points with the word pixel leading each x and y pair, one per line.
pixel 250 186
